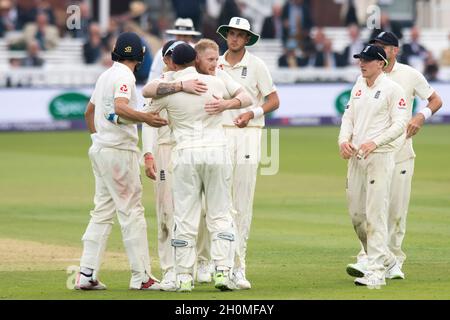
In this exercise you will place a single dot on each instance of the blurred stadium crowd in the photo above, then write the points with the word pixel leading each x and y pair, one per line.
pixel 295 34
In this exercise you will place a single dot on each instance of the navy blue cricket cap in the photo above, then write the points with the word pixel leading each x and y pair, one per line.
pixel 371 52
pixel 183 53
pixel 168 47
pixel 386 38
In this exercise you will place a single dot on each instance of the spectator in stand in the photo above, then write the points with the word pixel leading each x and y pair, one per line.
pixel 26 13
pixel 7 22
pixel 32 59
pixel 46 35
pixel 445 56
pixel 273 25
pixel 356 45
pixel 85 21
pixel 413 53
pixel 296 17
pixel 45 6
pixel 324 56
pixel 387 25
pixel 92 49
pixel 431 70
pixel 290 58
pixel 189 9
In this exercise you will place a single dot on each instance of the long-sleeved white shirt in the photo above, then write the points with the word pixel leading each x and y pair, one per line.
pixel 378 113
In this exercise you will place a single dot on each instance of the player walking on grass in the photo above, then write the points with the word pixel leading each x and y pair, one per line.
pixel 245 144
pixel 115 162
pixel 373 128
pixel 414 84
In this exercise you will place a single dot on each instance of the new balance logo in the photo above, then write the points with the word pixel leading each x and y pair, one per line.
pixel 162 175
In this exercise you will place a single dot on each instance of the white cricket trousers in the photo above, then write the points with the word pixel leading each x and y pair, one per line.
pixel 165 212
pixel 164 206
pixel 368 189
pixel 398 209
pixel 197 170
pixel 118 190
pixel 245 149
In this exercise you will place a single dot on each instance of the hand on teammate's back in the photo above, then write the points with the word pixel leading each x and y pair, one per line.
pixel 154 120
pixel 194 86
pixel 216 106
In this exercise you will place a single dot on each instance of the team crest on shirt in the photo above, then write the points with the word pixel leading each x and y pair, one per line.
pixel 377 95
pixel 402 104
pixel 244 72
pixel 220 66
pixel 124 88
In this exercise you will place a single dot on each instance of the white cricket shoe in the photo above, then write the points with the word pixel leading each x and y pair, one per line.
pixel 222 280
pixel 84 282
pixel 395 272
pixel 204 272
pixel 169 283
pixel 371 280
pixel 240 281
pixel 358 269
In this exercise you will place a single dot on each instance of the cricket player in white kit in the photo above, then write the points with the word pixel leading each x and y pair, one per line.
pixel 243 129
pixel 373 129
pixel 414 84
pixel 201 163
pixel 115 162
pixel 158 168
pixel 159 142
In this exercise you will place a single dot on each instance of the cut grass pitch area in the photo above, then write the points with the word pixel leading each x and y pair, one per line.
pixel 301 238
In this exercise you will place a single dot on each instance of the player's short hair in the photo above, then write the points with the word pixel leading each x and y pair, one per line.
pixel 204 44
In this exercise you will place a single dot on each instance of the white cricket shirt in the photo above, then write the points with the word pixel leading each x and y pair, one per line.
pixel 252 73
pixel 191 125
pixel 378 113
pixel 414 84
pixel 116 82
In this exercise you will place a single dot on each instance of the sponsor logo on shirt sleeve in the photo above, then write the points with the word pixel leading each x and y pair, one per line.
pixel 402 104
pixel 124 88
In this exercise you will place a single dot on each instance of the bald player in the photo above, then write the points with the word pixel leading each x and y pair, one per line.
pixel 414 84
pixel 373 128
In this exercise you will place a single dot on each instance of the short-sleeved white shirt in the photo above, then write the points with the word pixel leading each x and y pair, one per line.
pixel 118 81
pixel 414 84
pixel 252 73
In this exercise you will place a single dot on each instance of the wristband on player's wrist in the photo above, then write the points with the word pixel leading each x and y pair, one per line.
pixel 257 112
pixel 427 113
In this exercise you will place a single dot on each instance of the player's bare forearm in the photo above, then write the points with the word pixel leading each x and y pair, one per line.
pixel 416 123
pixel 122 109
pixel 149 90
pixel 272 103
pixel 243 100
pixel 89 117
pixel 168 88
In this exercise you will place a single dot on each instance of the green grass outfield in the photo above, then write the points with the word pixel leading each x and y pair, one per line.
pixel 301 237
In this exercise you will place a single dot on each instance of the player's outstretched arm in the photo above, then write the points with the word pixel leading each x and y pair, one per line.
pixel 122 110
pixel 157 88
